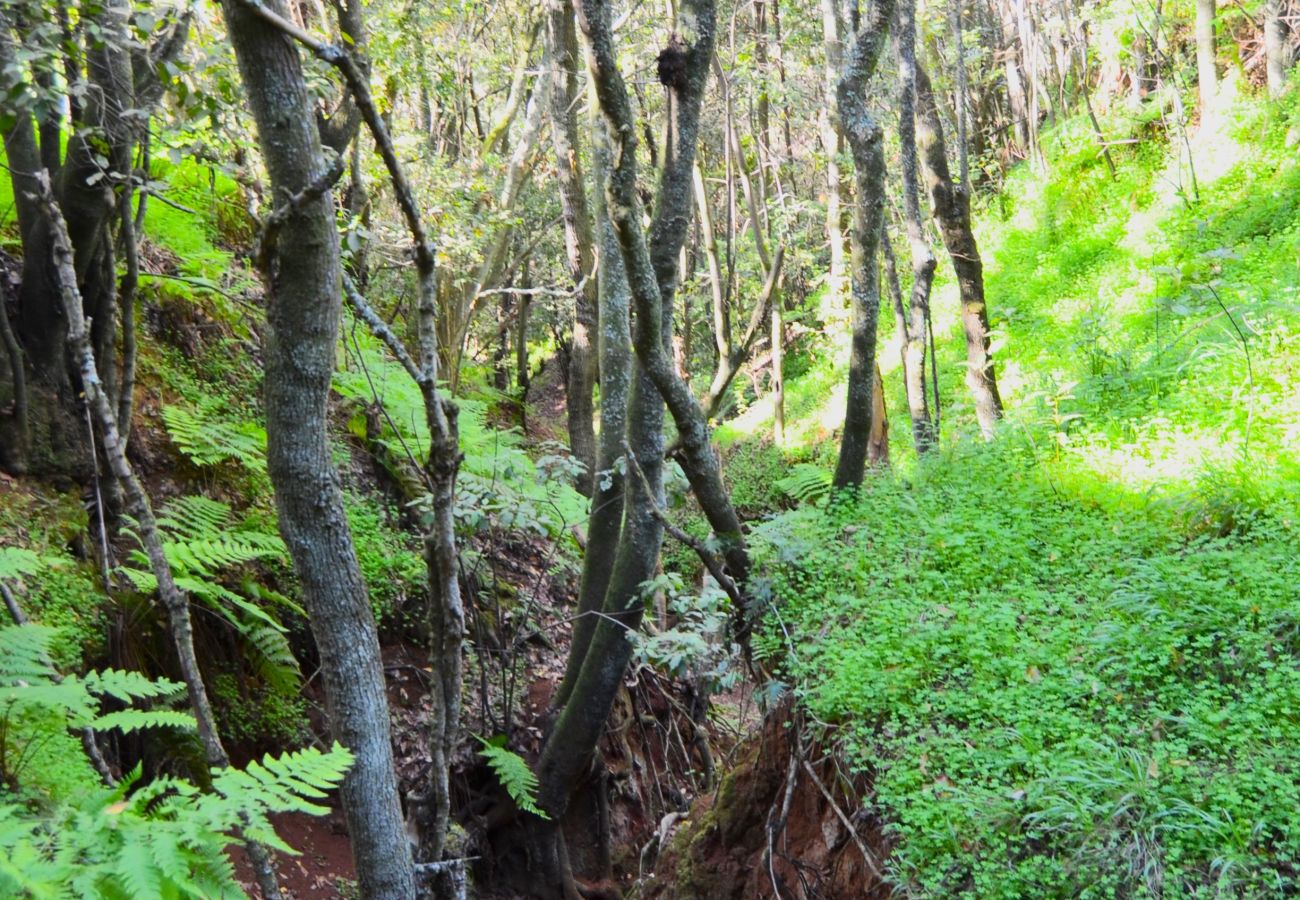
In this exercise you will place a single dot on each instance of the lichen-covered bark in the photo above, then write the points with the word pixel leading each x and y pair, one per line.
pixel 579 241
pixel 865 138
pixel 651 260
pixel 303 313
pixel 615 345
pixel 923 261
pixel 950 206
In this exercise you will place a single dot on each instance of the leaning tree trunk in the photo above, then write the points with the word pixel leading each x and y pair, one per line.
pixel 950 206
pixel 865 139
pixel 562 56
pixel 303 298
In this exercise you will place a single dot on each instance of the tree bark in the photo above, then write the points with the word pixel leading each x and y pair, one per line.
pixel 1276 52
pixel 562 54
pixel 950 206
pixel 832 140
pixel 923 261
pixel 303 299
pixel 173 600
pixel 865 140
pixel 1207 71
pixel 615 345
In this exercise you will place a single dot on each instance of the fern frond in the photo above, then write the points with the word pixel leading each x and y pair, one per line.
pixel 16 562
pixel 130 686
pixel 806 483
pixel 128 720
pixel 515 776
pixel 206 440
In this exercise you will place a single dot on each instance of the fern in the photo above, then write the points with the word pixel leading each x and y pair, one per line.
pixel 162 839
pixel 207 440
pixel 15 562
pixel 29 683
pixel 806 483
pixel 515 776
pixel 202 543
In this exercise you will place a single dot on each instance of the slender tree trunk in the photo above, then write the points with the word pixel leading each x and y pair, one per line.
pixel 950 206
pixel 303 300
pixel 1207 70
pixel 174 601
pixel 615 345
pixel 562 53
pixel 1276 52
pixel 832 141
pixel 1011 59
pixel 923 261
pixel 865 140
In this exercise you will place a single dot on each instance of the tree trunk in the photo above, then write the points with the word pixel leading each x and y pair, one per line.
pixel 923 261
pixel 1276 52
pixel 615 345
pixel 562 53
pixel 865 140
pixel 832 139
pixel 1207 72
pixel 303 298
pixel 950 206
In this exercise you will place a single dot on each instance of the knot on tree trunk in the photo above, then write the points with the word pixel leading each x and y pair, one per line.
pixel 672 63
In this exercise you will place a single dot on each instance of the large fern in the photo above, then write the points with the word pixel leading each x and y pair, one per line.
pixel 205 546
pixel 806 483
pixel 15 562
pixel 163 839
pixel 29 683
pixel 206 439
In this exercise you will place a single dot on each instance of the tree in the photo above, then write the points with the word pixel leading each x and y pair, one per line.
pixel 93 181
pixel 950 206
pixel 1277 52
pixel 1207 70
pixel 914 324
pixel 865 138
pixel 304 298
pixel 579 242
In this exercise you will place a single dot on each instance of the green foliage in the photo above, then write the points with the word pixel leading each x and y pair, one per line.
pixel 516 777
pixel 499 485
pixel 206 440
pixel 390 559
pixel 806 483
pixel 161 839
pixel 206 547
pixel 695 646
pixel 16 562
pixel 1057 689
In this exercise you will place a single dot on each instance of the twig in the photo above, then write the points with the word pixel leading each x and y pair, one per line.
pixel 710 560
pixel 275 221
pixel 844 820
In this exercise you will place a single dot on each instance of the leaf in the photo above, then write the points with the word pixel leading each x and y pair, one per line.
pixel 515 776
